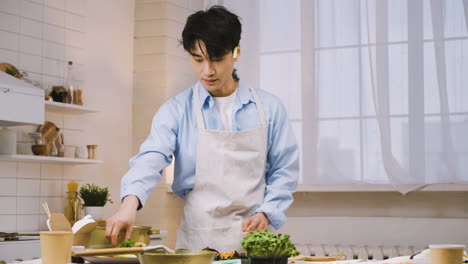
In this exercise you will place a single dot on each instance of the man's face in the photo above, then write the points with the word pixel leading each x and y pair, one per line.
pixel 215 74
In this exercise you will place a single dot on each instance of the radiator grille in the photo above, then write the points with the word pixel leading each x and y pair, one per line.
pixel 364 252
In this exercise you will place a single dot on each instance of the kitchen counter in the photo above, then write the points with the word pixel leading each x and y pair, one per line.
pixel 414 261
pixel 27 249
pixel 30 250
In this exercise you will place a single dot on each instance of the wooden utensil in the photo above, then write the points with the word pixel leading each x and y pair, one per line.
pixel 314 258
pixel 119 251
pixel 49 132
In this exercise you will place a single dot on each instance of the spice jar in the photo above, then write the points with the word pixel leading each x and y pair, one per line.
pixel 78 97
pixel 80 152
pixel 92 151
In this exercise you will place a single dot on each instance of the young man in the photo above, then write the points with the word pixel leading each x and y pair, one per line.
pixel 236 159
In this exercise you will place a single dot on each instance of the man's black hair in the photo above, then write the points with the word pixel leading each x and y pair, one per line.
pixel 219 29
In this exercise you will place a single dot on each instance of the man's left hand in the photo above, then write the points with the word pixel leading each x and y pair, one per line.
pixel 259 221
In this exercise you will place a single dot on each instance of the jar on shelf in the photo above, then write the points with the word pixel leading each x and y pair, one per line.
pixel 75 94
pixel 7 141
pixel 92 151
pixel 38 138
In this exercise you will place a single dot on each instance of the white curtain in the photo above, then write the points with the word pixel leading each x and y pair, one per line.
pixel 376 90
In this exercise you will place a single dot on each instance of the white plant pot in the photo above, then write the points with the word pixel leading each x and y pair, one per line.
pixel 97 212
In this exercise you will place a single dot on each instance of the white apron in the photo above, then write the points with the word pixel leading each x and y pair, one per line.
pixel 229 184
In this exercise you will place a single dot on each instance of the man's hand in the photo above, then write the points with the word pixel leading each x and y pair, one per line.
pixel 123 219
pixel 259 221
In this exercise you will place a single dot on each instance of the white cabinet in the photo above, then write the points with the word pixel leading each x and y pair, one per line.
pixel 20 102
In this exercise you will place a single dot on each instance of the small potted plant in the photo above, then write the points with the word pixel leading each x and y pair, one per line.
pixel 263 247
pixel 94 198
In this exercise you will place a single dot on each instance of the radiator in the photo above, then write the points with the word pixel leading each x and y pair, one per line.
pixel 364 252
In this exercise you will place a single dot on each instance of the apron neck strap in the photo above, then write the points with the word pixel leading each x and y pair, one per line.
pixel 258 103
pixel 199 113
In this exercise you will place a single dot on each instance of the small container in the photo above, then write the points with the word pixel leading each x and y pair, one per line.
pixel 73 207
pixel 58 94
pixel 40 150
pixel 92 151
pixel 80 153
pixel 38 138
pixel 53 149
pixel 78 97
pixel 446 253
pixel 7 141
pixel 61 145
pixel 56 246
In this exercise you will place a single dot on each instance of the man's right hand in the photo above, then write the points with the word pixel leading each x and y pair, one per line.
pixel 123 219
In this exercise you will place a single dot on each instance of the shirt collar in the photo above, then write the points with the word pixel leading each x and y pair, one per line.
pixel 243 94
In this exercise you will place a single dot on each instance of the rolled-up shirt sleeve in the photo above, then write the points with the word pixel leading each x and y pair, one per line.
pixel 155 154
pixel 282 168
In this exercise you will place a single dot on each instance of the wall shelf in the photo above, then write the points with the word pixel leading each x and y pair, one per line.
pixel 69 109
pixel 42 159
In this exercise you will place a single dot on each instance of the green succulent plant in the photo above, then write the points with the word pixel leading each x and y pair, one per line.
pixel 94 195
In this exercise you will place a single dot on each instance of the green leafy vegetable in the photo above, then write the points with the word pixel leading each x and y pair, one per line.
pixel 128 243
pixel 12 71
pixel 266 244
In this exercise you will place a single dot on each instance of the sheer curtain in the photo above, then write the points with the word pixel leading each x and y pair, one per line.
pixel 376 90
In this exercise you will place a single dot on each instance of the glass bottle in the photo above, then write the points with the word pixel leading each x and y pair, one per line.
pixel 38 138
pixel 73 207
pixel 70 83
pixel 61 146
pixel 53 149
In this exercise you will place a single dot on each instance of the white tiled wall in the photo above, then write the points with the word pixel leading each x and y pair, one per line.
pixel 25 186
pixel 39 37
pixel 161 71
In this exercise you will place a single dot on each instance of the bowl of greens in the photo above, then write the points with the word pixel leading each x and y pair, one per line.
pixel 266 247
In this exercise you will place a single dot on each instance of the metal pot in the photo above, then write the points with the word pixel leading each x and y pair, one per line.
pixel 181 256
pixel 139 234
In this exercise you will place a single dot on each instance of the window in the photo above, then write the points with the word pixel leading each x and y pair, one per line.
pixel 376 90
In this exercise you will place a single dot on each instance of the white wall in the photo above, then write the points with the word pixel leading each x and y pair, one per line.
pixel 40 36
pixel 378 218
pixel 161 70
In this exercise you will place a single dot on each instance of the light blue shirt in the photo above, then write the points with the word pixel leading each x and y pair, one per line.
pixel 174 132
